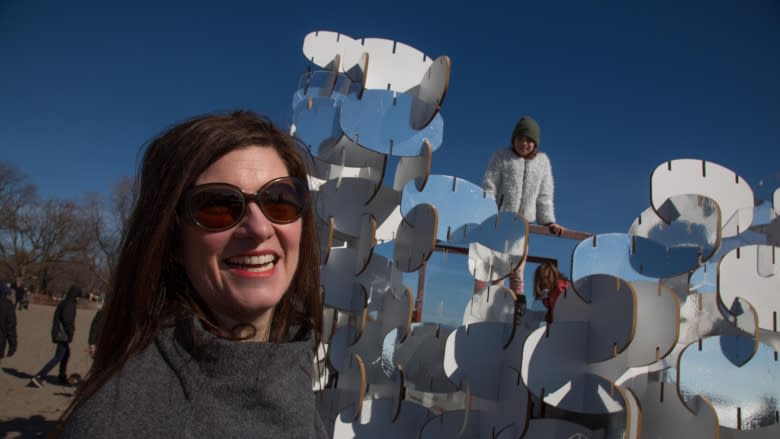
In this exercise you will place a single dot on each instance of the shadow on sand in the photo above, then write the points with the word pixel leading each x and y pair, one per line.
pixel 68 390
pixel 32 427
pixel 35 426
pixel 16 373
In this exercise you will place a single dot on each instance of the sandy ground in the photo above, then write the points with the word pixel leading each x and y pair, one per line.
pixel 27 411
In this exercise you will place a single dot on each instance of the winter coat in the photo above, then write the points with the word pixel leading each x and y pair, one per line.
pixel 19 292
pixel 7 326
pixel 65 314
pixel 523 186
pixel 94 327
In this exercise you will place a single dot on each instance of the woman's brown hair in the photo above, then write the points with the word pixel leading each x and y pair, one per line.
pixel 546 277
pixel 149 285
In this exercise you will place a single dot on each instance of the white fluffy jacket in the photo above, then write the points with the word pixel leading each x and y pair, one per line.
pixel 521 186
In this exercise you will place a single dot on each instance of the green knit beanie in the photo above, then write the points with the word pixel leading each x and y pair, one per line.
pixel 527 127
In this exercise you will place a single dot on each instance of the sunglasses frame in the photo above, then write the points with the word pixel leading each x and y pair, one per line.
pixel 189 214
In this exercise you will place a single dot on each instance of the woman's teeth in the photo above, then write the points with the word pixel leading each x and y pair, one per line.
pixel 254 263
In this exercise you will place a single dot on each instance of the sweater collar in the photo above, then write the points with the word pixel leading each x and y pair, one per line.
pixel 189 345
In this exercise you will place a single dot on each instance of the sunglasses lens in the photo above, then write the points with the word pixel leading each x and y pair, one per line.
pixel 283 201
pixel 216 208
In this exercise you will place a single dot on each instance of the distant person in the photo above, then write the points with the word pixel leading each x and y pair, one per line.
pixel 19 295
pixel 549 284
pixel 7 321
pixel 62 329
pixel 94 330
pixel 521 180
pixel 28 298
pixel 215 310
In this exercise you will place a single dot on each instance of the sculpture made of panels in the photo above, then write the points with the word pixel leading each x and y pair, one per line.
pixel 668 330
pixel 699 177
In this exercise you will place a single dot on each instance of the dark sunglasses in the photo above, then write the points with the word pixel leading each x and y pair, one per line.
pixel 220 206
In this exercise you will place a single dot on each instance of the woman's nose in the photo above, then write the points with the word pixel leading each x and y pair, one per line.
pixel 256 223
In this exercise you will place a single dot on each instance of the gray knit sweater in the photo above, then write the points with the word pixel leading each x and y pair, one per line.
pixel 521 186
pixel 234 390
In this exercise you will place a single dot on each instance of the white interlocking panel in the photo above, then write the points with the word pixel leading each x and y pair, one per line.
pixel 753 274
pixel 700 177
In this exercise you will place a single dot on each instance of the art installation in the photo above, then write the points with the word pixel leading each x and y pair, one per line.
pixel 667 330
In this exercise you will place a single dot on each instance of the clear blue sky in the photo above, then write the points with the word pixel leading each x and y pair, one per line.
pixel 617 86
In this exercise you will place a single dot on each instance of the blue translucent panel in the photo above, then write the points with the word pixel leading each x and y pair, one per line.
pixel 504 232
pixel 651 258
pixel 605 254
pixel 738 350
pixel 691 221
pixel 765 189
pixel 381 121
pixel 448 288
pixel 747 396
pixel 763 215
pixel 321 83
pixel 704 279
pixel 416 238
pixel 316 121
pixel 450 195
pixel 631 258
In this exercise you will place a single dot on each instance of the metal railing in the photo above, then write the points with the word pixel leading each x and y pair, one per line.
pixel 532 229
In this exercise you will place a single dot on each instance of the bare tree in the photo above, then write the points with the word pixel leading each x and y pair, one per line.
pixel 122 201
pixel 54 233
pixel 16 194
pixel 51 243
pixel 15 191
pixel 108 226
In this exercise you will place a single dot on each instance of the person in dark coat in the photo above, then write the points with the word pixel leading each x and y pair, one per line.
pixel 62 330
pixel 94 331
pixel 19 293
pixel 7 322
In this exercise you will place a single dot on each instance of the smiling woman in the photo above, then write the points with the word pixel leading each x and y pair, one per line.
pixel 215 309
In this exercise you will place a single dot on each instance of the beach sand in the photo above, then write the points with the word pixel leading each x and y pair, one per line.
pixel 27 411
